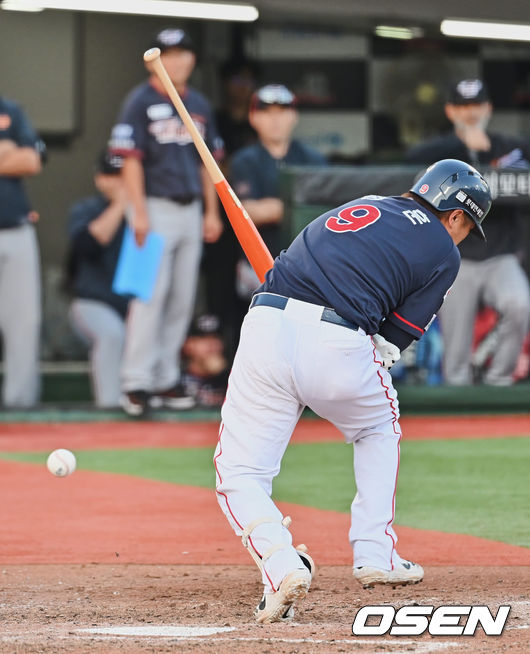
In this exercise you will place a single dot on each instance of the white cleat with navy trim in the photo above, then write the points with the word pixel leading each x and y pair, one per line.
pixel 404 572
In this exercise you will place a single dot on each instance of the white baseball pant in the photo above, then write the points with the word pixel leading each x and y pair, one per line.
pixel 286 360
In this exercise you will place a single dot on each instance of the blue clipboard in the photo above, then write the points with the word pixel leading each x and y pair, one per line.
pixel 137 267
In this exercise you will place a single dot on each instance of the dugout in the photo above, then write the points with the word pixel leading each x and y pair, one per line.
pixel 309 191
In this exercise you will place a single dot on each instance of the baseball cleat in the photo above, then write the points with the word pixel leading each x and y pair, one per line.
pixel 135 403
pixel 172 398
pixel 278 606
pixel 306 559
pixel 404 572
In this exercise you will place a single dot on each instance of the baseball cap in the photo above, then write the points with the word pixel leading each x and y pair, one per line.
pixel 109 163
pixel 468 91
pixel 172 38
pixel 205 325
pixel 272 94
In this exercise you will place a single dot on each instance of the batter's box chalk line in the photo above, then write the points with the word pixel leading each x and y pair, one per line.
pixel 187 633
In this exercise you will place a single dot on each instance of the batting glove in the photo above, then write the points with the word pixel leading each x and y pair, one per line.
pixel 389 353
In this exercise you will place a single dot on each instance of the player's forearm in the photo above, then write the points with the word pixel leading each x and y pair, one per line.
pixel 105 226
pixel 19 162
pixel 266 211
pixel 134 181
pixel 211 202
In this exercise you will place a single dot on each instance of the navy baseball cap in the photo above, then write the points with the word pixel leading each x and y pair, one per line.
pixel 172 38
pixel 272 94
pixel 468 91
pixel 109 163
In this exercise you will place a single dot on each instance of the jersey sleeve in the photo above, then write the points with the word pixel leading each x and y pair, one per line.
pixel 81 215
pixel 25 135
pixel 129 136
pixel 419 308
pixel 242 177
pixel 213 139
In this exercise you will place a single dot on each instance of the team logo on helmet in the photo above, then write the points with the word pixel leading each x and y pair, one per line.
pixel 423 189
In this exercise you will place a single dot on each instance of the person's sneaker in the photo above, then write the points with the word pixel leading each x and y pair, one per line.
pixel 172 398
pixel 404 572
pixel 278 606
pixel 135 403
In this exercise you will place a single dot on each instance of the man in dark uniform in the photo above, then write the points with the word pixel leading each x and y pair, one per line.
pixel 255 172
pixel 21 155
pixel 355 287
pixel 169 192
pixel 491 273
pixel 96 227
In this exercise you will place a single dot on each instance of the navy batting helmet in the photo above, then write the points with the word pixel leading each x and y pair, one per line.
pixel 452 184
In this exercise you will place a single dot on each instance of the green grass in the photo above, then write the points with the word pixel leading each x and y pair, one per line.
pixel 477 487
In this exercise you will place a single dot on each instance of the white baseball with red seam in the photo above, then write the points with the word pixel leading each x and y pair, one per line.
pixel 61 463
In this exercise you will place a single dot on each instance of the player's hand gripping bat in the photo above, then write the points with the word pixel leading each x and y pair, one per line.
pixel 248 236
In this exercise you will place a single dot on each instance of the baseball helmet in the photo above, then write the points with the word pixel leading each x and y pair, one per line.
pixel 452 184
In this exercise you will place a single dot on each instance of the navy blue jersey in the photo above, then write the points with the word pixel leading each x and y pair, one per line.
pixel 92 265
pixel 14 126
pixel 150 128
pixel 255 175
pixel 372 259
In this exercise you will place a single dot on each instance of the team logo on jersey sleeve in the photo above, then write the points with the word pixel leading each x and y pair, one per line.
pixel 353 218
pixel 122 137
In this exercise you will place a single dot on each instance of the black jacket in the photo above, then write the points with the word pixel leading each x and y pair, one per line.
pixel 502 225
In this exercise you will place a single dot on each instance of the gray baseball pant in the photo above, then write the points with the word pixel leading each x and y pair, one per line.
pixel 103 330
pixel 156 329
pixel 20 315
pixel 498 282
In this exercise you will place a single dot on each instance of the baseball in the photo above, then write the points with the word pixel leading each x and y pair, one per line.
pixel 61 463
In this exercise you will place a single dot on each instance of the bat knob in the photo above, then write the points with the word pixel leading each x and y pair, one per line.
pixel 151 54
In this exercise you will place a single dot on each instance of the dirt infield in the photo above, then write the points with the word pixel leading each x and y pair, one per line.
pixel 110 563
pixel 49 609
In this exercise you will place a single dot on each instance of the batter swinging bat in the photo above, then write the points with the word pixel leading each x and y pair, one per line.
pixel 248 236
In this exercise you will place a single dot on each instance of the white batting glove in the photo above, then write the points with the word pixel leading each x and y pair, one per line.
pixel 389 352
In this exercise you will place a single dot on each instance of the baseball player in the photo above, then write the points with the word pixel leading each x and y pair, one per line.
pixel 255 169
pixel 21 155
pixel 96 227
pixel 355 287
pixel 170 193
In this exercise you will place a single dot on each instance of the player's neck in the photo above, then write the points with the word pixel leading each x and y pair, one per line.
pixel 277 149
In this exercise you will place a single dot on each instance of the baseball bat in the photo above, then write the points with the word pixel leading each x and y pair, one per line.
pixel 248 236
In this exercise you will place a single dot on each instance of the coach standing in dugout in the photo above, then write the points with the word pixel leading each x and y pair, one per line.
pixel 491 273
pixel 21 155
pixel 255 170
pixel 170 193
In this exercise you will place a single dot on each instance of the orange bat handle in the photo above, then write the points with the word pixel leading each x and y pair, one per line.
pixel 248 236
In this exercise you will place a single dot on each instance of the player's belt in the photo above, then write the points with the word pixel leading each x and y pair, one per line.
pixel 183 199
pixel 280 302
